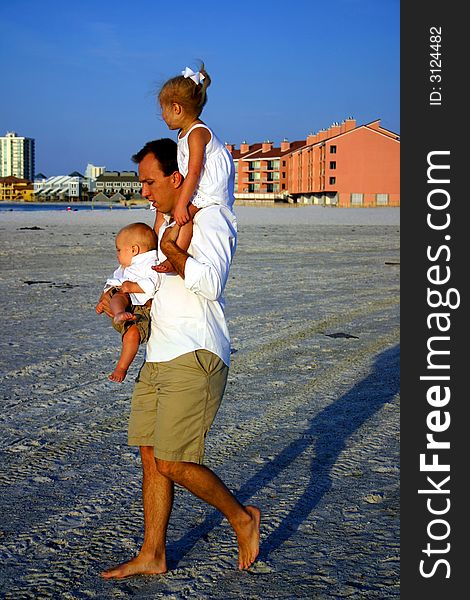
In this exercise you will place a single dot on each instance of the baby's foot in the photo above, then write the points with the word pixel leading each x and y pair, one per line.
pixel 164 267
pixel 118 375
pixel 124 316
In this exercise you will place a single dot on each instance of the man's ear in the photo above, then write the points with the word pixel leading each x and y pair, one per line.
pixel 177 179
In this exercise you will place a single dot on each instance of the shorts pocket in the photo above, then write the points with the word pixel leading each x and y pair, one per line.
pixel 204 360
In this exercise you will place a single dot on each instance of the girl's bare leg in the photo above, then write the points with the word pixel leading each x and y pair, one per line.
pixel 183 241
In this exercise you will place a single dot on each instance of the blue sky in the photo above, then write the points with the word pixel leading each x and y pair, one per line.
pixel 81 77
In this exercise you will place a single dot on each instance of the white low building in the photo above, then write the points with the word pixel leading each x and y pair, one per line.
pixel 60 187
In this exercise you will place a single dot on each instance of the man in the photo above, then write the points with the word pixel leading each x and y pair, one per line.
pixel 180 386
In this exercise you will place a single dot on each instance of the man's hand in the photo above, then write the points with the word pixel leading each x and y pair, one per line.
pixel 103 304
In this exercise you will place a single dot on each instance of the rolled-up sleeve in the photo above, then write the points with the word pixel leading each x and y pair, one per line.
pixel 212 248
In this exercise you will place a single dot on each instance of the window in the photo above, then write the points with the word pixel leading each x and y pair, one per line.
pixel 283 186
pixel 381 199
pixel 332 164
pixel 332 180
pixel 357 199
pixel 332 149
pixel 283 163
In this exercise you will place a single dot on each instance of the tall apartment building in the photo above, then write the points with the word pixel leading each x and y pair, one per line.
pixel 261 169
pixel 16 156
pixel 344 165
pixel 347 165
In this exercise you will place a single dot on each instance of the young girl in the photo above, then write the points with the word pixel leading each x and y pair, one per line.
pixel 204 162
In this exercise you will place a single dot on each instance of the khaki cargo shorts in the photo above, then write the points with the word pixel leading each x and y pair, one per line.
pixel 142 322
pixel 174 404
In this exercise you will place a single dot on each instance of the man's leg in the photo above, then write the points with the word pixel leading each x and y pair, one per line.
pixel 157 497
pixel 204 483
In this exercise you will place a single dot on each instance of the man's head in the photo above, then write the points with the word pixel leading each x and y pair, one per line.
pixel 134 239
pixel 158 173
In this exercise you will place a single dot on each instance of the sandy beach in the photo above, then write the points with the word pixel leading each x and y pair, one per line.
pixel 308 430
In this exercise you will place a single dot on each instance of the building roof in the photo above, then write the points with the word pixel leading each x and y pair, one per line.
pixel 236 154
pixel 117 197
pixel 12 179
pixel 274 152
pixel 373 126
pixel 100 197
pixel 118 176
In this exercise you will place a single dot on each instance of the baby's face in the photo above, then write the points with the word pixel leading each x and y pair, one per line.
pixel 124 250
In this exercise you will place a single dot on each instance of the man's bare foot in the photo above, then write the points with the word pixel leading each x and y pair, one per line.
pixel 118 375
pixel 164 267
pixel 137 566
pixel 248 539
pixel 124 316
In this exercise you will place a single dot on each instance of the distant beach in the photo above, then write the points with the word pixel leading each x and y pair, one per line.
pixel 279 213
pixel 308 430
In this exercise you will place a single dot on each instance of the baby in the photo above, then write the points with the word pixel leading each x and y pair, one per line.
pixel 130 290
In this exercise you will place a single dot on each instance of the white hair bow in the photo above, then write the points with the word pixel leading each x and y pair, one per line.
pixel 196 77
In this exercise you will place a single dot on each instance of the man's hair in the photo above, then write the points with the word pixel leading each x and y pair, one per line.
pixel 164 151
pixel 141 234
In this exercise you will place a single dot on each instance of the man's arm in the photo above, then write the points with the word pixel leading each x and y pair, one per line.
pixel 213 246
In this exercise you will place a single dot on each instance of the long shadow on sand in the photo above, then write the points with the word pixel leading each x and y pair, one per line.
pixel 324 440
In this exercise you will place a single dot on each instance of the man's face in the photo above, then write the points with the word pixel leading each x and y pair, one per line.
pixel 156 186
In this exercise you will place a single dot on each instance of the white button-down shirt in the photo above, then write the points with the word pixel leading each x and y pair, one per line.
pixel 139 271
pixel 188 314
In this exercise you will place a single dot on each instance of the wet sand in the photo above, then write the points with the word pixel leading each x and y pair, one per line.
pixel 308 430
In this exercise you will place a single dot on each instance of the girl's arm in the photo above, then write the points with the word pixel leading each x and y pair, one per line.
pixel 197 141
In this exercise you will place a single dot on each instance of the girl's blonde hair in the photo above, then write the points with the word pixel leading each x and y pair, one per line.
pixel 183 90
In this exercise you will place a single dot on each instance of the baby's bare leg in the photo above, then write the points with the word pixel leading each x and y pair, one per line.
pixel 119 304
pixel 130 345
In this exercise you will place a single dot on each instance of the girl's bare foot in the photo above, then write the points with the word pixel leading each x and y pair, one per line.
pixel 136 566
pixel 124 316
pixel 248 538
pixel 118 375
pixel 164 267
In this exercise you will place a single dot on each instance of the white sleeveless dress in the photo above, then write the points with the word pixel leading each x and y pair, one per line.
pixel 217 182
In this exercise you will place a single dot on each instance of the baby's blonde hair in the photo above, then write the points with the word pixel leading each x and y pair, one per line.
pixel 140 234
pixel 183 90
